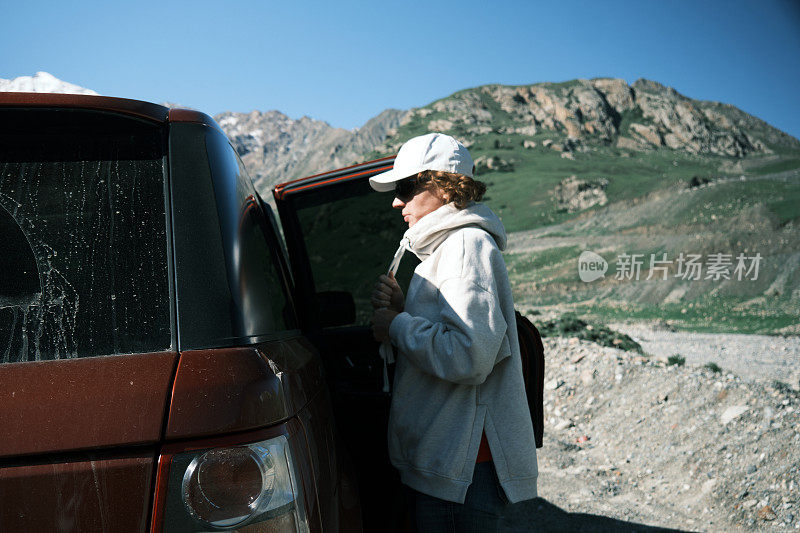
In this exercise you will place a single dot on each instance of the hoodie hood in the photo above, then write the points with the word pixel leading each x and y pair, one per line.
pixel 432 229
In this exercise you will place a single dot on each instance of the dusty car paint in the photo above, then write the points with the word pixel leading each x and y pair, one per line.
pixel 92 491
pixel 47 404
pixel 242 388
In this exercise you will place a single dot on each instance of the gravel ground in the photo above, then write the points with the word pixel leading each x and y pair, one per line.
pixel 752 357
pixel 635 444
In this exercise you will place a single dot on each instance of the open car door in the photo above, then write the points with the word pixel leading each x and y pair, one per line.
pixel 340 236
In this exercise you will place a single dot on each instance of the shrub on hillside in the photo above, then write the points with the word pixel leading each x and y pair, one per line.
pixel 569 325
pixel 676 359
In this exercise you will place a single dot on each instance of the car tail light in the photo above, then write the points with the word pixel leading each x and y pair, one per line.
pixel 254 487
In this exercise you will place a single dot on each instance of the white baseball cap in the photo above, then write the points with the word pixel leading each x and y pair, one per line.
pixel 433 151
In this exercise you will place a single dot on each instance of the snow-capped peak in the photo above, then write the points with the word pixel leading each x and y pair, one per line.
pixel 41 82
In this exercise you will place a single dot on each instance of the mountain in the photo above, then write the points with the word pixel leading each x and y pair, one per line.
pixel 277 148
pixel 601 111
pixel 633 171
pixel 41 82
pixel 572 117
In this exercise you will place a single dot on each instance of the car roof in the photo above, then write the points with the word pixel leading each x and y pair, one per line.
pixel 124 106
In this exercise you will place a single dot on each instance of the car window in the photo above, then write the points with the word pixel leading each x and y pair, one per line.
pixel 82 221
pixel 265 302
pixel 351 234
pixel 229 289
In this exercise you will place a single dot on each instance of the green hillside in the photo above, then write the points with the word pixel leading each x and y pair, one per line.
pixel 677 175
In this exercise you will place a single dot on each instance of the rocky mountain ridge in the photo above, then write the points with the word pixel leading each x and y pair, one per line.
pixel 277 148
pixel 641 116
pixel 573 115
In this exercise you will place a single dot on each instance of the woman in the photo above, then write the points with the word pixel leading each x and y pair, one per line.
pixel 460 432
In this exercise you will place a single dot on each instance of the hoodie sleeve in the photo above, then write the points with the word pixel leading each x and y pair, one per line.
pixel 465 344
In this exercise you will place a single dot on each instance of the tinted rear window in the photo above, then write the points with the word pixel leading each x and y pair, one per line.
pixel 83 226
pixel 228 286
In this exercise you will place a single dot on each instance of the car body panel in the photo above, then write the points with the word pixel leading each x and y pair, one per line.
pixel 241 388
pixel 91 491
pixel 332 467
pixel 125 106
pixel 47 403
pixel 362 170
pixel 192 116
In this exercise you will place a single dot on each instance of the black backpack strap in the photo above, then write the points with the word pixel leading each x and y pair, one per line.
pixel 532 351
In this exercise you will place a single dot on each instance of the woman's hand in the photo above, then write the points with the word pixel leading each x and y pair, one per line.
pixel 381 320
pixel 388 294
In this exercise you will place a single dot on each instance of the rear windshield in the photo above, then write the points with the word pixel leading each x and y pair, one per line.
pixel 83 227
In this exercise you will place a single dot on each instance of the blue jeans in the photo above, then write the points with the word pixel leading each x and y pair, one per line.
pixel 481 512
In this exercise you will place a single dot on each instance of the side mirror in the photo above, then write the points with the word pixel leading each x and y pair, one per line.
pixel 336 308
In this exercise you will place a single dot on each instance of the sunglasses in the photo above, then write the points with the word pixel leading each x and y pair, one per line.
pixel 404 189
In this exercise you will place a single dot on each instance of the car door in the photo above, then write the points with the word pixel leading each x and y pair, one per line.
pixel 340 236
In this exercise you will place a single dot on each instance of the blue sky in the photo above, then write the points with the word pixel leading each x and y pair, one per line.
pixel 344 62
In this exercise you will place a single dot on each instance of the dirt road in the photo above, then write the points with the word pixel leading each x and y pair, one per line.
pixel 762 358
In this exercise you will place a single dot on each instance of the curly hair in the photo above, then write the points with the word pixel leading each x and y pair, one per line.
pixel 456 188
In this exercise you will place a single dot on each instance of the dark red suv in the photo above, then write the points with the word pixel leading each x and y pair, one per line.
pixel 169 360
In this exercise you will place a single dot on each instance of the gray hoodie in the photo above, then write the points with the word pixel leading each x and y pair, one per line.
pixel 459 371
